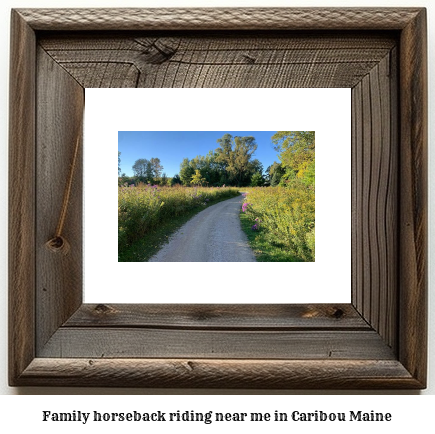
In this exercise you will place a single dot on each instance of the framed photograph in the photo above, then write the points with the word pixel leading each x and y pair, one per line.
pixel 375 341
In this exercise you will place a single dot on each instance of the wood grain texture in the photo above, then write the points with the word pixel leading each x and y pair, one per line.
pixel 388 323
pixel 235 60
pixel 379 342
pixel 60 105
pixel 21 197
pixel 375 198
pixel 220 18
pixel 413 187
pixel 240 374
pixel 127 342
pixel 220 317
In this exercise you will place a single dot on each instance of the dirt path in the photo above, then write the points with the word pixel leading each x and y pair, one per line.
pixel 213 235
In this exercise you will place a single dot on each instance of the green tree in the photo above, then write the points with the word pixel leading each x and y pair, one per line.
pixel 142 168
pixel 255 166
pixel 197 179
pixel 210 169
pixel 175 179
pixel 147 170
pixel 297 154
pixel 156 168
pixel 163 179
pixel 234 155
pixel 307 173
pixel 257 180
pixel 186 171
pixel 275 171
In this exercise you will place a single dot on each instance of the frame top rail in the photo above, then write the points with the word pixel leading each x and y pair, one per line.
pixel 220 18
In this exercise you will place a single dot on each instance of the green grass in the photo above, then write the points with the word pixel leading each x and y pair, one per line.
pixel 264 249
pixel 143 249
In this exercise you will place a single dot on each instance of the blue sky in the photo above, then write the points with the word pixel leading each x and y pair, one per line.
pixel 172 146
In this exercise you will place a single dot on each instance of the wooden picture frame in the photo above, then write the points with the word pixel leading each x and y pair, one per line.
pixel 376 342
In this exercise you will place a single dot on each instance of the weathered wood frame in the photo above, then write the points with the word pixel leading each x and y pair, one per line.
pixel 377 341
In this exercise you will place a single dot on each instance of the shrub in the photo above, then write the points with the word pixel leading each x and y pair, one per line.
pixel 311 242
pixel 287 216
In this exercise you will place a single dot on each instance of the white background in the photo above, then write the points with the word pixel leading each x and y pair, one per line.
pixel 325 111
pixel 413 413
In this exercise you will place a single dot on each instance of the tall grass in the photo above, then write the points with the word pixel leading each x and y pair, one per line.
pixel 285 216
pixel 143 208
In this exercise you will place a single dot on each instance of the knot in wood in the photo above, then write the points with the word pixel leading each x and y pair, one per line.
pixel 338 313
pixel 158 52
pixel 58 244
pixel 248 58
pixel 103 309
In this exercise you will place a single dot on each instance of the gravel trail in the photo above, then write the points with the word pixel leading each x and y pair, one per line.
pixel 213 235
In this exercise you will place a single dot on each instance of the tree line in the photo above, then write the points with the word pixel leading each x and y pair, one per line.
pixel 233 163
pixel 296 151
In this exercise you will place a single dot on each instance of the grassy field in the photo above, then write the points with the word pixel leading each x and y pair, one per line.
pixel 280 222
pixel 147 215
